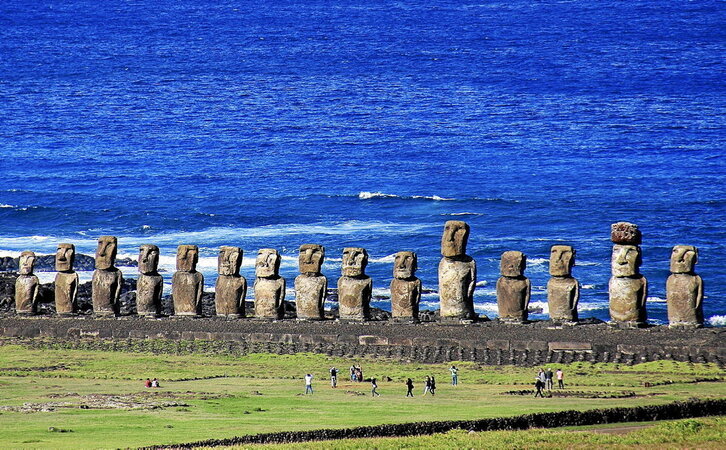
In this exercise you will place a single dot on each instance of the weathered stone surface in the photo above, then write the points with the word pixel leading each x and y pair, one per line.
pixel 310 258
pixel 354 287
pixel 405 287
pixel 684 289
pixel 269 285
pixel 150 285
pixel 66 281
pixel 27 285
pixel 457 279
pixel 310 296
pixel 107 280
pixel 187 285
pixel 513 288
pixel 231 288
pixel 310 286
pixel 627 299
pixel 454 238
pixel 625 233
pixel 628 289
pixel 563 291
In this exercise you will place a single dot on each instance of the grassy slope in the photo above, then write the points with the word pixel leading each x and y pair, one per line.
pixel 687 433
pixel 24 378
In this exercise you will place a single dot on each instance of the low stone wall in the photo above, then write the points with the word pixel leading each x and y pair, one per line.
pixel 670 411
pixel 487 343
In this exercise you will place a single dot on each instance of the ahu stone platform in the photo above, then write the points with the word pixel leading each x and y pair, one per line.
pixel 490 343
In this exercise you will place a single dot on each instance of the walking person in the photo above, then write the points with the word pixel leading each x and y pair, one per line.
pixel 539 383
pixel 548 379
pixel 374 386
pixel 454 375
pixel 427 385
pixel 433 386
pixel 308 384
pixel 409 387
pixel 333 377
pixel 560 379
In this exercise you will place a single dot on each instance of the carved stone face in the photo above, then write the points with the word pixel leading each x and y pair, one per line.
pixel 187 257
pixel 355 260
pixel 268 263
pixel 626 260
pixel 64 257
pixel 311 258
pixel 625 233
pixel 148 259
pixel 453 241
pixel 26 263
pixel 683 258
pixel 562 258
pixel 106 252
pixel 229 260
pixel 405 265
pixel 513 263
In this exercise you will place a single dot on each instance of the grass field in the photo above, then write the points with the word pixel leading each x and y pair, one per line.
pixel 223 396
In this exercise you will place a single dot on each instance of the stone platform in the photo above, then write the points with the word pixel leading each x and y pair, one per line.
pixel 487 343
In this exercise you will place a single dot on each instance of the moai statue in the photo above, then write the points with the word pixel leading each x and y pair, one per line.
pixel 231 288
pixel 311 285
pixel 66 280
pixel 107 279
pixel 354 287
pixel 628 288
pixel 457 274
pixel 684 289
pixel 513 288
pixel 187 285
pixel 150 285
pixel 405 288
pixel 26 285
pixel 563 291
pixel 269 285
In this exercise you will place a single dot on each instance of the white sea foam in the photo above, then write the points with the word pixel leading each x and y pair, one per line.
pixel 3 205
pixel 481 283
pixel 588 286
pixel 386 259
pixel 463 214
pixel 364 195
pixel 655 300
pixel 717 321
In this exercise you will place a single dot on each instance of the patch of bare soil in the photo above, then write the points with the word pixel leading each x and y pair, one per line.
pixel 624 429
pixel 138 401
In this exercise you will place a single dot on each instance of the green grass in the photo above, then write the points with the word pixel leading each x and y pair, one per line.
pixel 232 406
pixel 687 433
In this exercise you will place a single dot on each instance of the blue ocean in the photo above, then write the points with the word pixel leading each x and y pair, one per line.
pixel 278 123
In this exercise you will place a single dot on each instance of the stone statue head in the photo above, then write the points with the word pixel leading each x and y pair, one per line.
pixel 229 260
pixel 187 257
pixel 513 263
pixel 625 233
pixel 355 260
pixel 405 265
pixel 311 258
pixel 268 263
pixel 626 260
pixel 683 258
pixel 453 241
pixel 64 257
pixel 106 252
pixel 148 259
pixel 26 263
pixel 562 258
